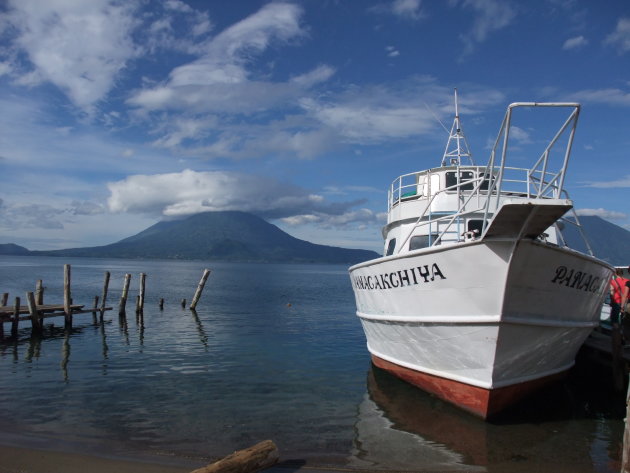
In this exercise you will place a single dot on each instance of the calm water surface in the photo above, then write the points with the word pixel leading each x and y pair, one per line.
pixel 273 352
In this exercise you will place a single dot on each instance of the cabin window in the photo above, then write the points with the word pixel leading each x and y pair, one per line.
pixel 474 224
pixel 451 180
pixel 390 247
pixel 421 241
pixel 485 184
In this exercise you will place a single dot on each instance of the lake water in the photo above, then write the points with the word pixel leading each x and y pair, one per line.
pixel 273 352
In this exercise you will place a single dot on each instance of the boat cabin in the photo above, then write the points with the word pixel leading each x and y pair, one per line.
pixel 448 205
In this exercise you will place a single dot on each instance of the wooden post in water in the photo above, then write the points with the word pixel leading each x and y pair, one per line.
pixel 32 308
pixel 618 363
pixel 123 298
pixel 16 317
pixel 183 303
pixel 138 304
pixel 199 290
pixel 162 303
pixel 39 292
pixel 67 298
pixel 95 309
pixel 625 454
pixel 143 278
pixel 105 287
pixel 5 298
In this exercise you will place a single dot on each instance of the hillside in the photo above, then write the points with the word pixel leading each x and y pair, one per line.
pixel 220 236
pixel 12 249
pixel 239 236
pixel 609 242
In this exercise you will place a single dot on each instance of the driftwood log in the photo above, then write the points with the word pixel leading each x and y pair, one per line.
pixel 260 456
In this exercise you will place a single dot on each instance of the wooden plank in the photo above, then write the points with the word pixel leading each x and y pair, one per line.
pixel 41 308
pixel 61 313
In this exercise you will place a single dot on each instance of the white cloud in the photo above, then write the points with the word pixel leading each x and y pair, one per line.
pixel 183 128
pixel 220 80
pixel 5 68
pixel 190 192
pixel 162 25
pixel 620 38
pixel 353 218
pixel 490 15
pixel 603 213
pixel 81 47
pixel 605 96
pixel 575 43
pixel 623 182
pixel 407 9
pixel 319 74
pixel 375 114
pixel 520 135
pixel 364 122
pixel 86 208
pixel 392 51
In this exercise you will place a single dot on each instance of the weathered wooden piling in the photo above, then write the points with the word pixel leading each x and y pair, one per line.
pixel 143 278
pixel 95 309
pixel 32 308
pixel 199 290
pixel 123 297
pixel 16 317
pixel 105 287
pixel 67 297
pixel 162 303
pixel 138 304
pixel 618 363
pixel 250 460
pixel 39 292
pixel 183 303
pixel 625 454
pixel 5 298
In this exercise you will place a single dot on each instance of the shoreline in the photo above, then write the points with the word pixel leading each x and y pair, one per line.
pixel 31 460
pixel 24 452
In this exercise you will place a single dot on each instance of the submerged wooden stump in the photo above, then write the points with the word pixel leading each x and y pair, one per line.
pixel 260 456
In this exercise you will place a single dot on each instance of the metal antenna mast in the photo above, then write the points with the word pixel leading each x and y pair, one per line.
pixel 457 146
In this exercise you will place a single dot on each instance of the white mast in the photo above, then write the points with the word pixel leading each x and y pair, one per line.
pixel 457 146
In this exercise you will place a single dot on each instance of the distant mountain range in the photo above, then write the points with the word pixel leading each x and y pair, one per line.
pixel 609 242
pixel 239 236
pixel 218 236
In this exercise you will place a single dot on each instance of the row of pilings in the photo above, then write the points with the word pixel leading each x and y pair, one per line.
pixel 36 310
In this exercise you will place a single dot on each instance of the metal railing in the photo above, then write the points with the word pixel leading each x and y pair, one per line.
pixel 492 183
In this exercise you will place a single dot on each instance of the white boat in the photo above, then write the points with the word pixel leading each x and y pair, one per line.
pixel 477 298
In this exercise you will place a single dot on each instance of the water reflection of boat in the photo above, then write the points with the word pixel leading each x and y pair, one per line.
pixel 478 300
pixel 418 432
pixel 402 428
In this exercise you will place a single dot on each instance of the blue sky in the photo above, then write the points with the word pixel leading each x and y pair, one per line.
pixel 117 114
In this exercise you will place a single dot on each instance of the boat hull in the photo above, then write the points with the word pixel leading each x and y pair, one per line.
pixel 479 324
